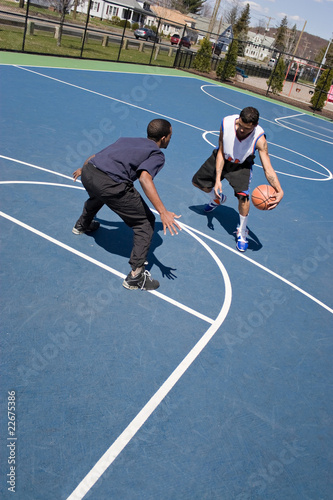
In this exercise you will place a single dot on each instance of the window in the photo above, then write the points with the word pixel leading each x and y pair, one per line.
pixel 95 6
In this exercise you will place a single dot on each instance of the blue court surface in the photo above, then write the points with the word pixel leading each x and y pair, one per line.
pixel 218 386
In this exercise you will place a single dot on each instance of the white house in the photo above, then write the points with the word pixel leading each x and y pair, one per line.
pixel 131 10
pixel 259 46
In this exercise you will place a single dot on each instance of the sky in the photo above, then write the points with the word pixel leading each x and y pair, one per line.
pixel 318 14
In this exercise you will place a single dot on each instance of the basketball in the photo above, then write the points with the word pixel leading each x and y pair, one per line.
pixel 260 196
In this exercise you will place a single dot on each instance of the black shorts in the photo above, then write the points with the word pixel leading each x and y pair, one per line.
pixel 237 174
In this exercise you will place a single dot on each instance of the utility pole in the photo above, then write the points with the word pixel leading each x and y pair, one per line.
pixel 213 18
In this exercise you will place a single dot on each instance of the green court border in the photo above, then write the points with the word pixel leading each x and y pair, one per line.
pixel 36 60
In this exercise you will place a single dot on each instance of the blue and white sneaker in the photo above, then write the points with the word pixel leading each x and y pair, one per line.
pixel 215 203
pixel 241 237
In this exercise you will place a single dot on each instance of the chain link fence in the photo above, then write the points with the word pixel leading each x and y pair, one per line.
pixel 44 28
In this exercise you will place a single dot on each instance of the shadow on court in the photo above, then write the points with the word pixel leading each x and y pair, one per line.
pixel 117 239
pixel 228 218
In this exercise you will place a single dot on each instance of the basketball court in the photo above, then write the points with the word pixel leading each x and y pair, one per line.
pixel 215 386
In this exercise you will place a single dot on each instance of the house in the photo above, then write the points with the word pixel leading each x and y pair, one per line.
pixel 173 21
pixel 259 47
pixel 131 10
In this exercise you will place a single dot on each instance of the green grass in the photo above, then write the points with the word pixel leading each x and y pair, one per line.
pixel 44 43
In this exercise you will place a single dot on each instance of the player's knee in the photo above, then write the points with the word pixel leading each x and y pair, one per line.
pixel 242 197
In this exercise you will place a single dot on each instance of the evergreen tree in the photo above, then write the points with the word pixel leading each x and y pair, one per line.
pixel 241 29
pixel 277 77
pixel 281 34
pixel 188 6
pixel 323 86
pixel 202 60
pixel 227 67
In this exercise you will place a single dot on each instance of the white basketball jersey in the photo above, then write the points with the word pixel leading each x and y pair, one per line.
pixel 235 150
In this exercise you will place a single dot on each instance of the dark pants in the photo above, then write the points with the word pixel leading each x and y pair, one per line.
pixel 125 201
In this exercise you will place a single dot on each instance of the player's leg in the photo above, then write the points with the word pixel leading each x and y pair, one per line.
pixel 85 223
pixel 204 179
pixel 239 177
pixel 134 211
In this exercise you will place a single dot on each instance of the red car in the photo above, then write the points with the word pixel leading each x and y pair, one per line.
pixel 175 39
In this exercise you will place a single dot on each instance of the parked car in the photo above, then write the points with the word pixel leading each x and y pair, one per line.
pixel 175 39
pixel 185 41
pixel 272 62
pixel 147 34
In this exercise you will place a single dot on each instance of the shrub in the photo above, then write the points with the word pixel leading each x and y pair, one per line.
pixel 277 77
pixel 323 86
pixel 227 67
pixel 202 60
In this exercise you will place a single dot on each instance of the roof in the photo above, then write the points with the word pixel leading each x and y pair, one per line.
pixel 174 16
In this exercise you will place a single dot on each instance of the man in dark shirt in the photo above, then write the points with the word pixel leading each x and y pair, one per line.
pixel 108 178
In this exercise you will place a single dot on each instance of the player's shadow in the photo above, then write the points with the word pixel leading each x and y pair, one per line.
pixel 228 218
pixel 117 238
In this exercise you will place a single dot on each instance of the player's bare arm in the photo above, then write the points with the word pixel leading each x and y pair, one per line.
pixel 270 173
pixel 219 166
pixel 167 218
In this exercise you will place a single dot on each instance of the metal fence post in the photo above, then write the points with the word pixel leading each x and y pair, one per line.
pixel 25 24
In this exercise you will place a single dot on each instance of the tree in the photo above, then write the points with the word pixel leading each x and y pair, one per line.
pixel 227 67
pixel 188 6
pixel 323 86
pixel 277 77
pixel 281 34
pixel 202 60
pixel 241 29
pixel 241 26
pixel 292 39
pixel 63 7
pixel 230 16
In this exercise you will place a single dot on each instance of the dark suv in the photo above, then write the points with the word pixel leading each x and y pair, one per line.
pixel 185 42
pixel 147 34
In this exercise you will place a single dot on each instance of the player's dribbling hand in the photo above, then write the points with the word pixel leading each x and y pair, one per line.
pixel 274 200
pixel 77 174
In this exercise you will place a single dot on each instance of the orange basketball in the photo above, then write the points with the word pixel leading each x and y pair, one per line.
pixel 260 196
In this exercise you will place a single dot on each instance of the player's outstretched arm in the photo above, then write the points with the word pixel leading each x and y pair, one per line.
pixel 167 218
pixel 270 173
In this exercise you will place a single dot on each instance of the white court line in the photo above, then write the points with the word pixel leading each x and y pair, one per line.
pixel 103 266
pixel 236 252
pixel 112 98
pixel 129 432
pixel 328 178
pixel 275 122
pixel 269 271
pixel 282 118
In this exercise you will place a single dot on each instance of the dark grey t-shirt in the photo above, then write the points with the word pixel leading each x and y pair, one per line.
pixel 127 157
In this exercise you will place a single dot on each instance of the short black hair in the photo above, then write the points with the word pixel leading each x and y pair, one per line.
pixel 250 115
pixel 158 128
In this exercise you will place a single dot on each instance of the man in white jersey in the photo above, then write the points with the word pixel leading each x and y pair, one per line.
pixel 240 136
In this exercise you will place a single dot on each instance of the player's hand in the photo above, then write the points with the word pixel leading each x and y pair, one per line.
pixel 218 189
pixel 77 173
pixel 168 221
pixel 274 200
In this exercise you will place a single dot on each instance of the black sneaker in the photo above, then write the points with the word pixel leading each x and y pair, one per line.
pixel 78 229
pixel 143 280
